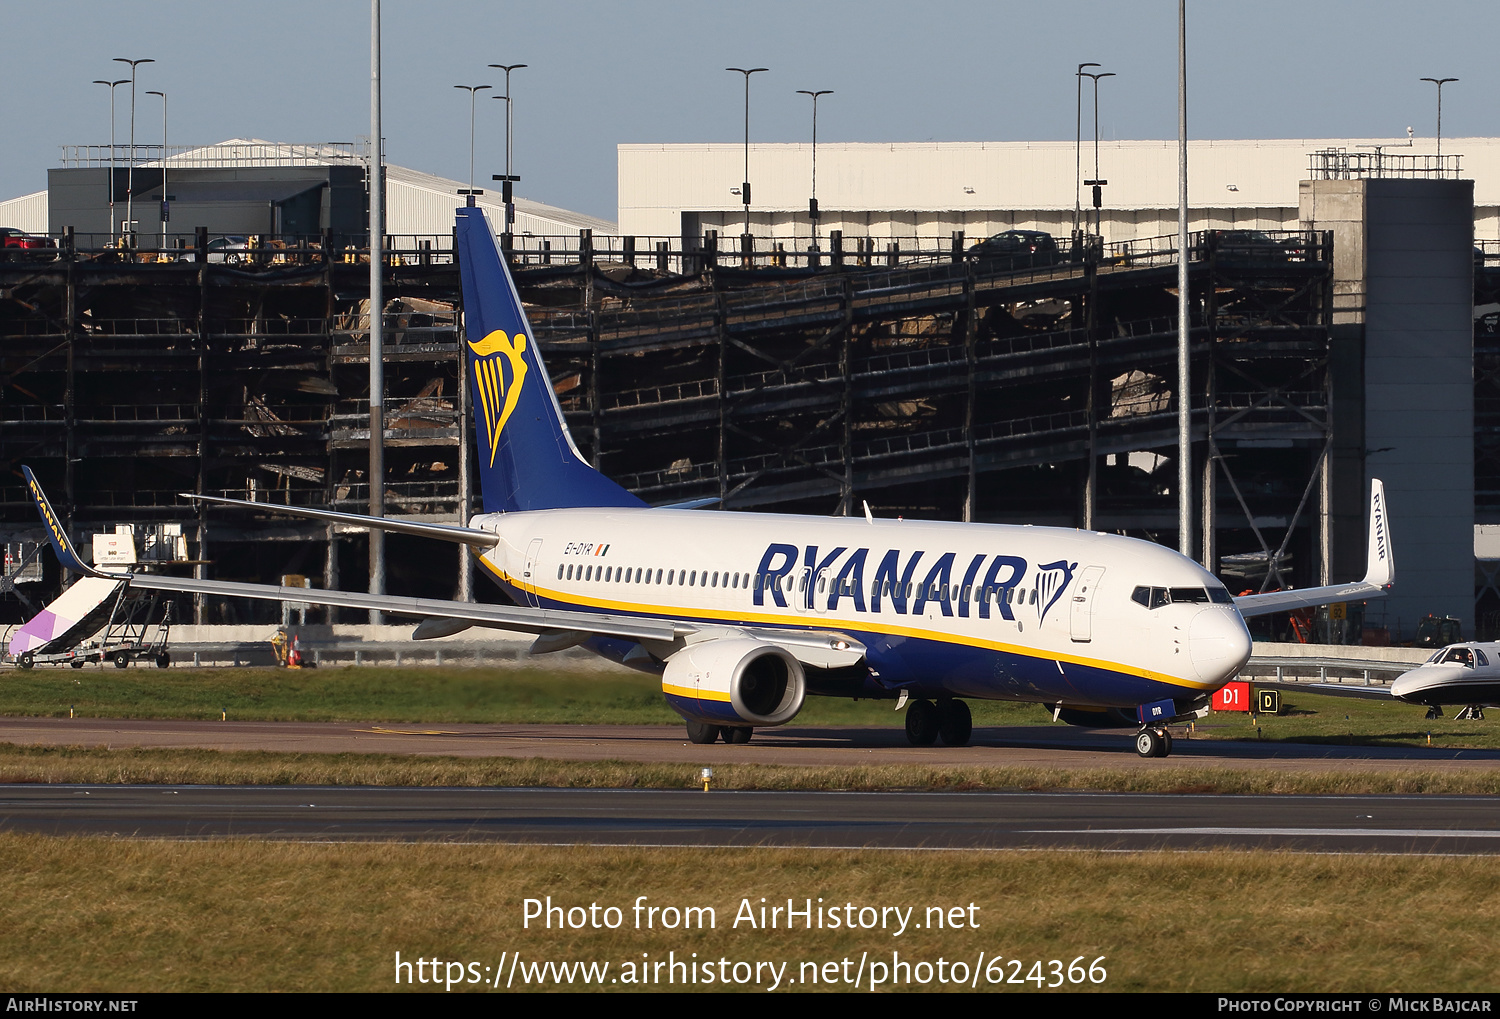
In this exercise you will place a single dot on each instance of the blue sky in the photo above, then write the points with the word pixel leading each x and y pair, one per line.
pixel 602 73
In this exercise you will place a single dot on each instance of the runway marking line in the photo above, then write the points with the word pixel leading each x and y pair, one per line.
pixel 410 732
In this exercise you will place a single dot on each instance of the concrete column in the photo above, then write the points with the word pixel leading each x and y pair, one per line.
pixel 1403 281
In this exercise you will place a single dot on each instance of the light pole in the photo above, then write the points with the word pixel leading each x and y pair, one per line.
pixel 745 186
pixel 509 179
pixel 1078 149
pixel 163 166
pixel 1184 322
pixel 1098 182
pixel 111 85
pixel 812 203
pixel 472 90
pixel 1440 82
pixel 130 167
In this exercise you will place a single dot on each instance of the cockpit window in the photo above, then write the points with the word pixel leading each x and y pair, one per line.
pixel 1480 659
pixel 1460 656
pixel 1156 597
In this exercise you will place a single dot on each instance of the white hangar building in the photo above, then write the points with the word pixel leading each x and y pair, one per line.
pixel 928 190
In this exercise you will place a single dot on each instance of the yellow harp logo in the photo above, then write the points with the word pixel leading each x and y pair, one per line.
pixel 497 396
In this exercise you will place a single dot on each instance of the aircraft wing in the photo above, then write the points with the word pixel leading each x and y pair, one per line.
pixel 1380 572
pixel 509 617
pixel 559 628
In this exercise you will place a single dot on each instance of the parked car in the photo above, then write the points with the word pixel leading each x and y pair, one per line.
pixel 18 245
pixel 1242 246
pixel 231 248
pixel 1016 249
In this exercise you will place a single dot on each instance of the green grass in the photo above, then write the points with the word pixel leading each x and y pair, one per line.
pixel 1346 721
pixel 132 916
pixel 99 765
pixel 558 696
pixel 401 694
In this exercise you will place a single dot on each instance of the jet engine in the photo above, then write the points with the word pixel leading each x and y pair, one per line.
pixel 736 681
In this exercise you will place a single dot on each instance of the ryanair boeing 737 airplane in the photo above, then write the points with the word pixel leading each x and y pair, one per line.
pixel 744 614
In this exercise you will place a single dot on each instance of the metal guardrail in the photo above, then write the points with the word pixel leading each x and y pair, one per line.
pixel 1365 668
pixel 1341 164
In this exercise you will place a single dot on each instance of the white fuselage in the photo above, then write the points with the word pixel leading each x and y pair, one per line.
pixel 1457 674
pixel 979 610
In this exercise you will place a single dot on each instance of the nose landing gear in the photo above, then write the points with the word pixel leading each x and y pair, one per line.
pixel 1153 742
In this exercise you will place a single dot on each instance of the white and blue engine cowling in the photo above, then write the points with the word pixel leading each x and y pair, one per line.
pixel 736 681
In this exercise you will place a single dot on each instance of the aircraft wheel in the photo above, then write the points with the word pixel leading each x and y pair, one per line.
pixel 163 660
pixel 1149 743
pixel 1433 711
pixel 76 663
pixel 1166 744
pixel 736 733
pixel 121 660
pixel 26 661
pixel 922 723
pixel 701 732
pixel 955 723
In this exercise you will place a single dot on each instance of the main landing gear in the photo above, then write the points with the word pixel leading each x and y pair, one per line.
pixel 948 720
pixel 703 733
pixel 1154 742
pixel 1472 713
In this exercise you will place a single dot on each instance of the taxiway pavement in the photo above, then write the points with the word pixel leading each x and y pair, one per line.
pixel 1059 746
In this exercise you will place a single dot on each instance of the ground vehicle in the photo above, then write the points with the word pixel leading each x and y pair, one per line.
pixel 19 245
pixel 1236 246
pixel 1437 631
pixel 232 249
pixel 1016 249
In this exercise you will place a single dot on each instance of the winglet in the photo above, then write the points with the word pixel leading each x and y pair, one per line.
pixel 60 543
pixel 1380 571
pixel 1380 568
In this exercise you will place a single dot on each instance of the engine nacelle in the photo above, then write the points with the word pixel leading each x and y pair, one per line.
pixel 735 682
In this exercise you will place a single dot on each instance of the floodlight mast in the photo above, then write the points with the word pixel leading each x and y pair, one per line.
pixel 130 167
pixel 112 84
pixel 812 204
pixel 745 187
pixel 164 211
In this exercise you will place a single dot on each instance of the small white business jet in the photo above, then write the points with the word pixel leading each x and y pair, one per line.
pixel 1467 674
pixel 745 614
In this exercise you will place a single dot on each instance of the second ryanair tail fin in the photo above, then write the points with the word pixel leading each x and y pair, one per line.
pixel 527 459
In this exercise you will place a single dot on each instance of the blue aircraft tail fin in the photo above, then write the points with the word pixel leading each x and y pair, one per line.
pixel 66 555
pixel 527 459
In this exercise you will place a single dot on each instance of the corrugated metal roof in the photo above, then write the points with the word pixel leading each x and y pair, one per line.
pixel 28 213
pixel 415 198
pixel 977 176
pixel 417 203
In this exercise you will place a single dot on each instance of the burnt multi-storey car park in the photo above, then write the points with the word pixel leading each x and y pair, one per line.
pixel 939 387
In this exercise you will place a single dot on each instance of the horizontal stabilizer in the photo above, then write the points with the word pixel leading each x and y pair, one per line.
pixel 443 532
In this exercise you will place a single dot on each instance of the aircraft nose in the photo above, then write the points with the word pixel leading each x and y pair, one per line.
pixel 1410 686
pixel 1219 644
pixel 1402 685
